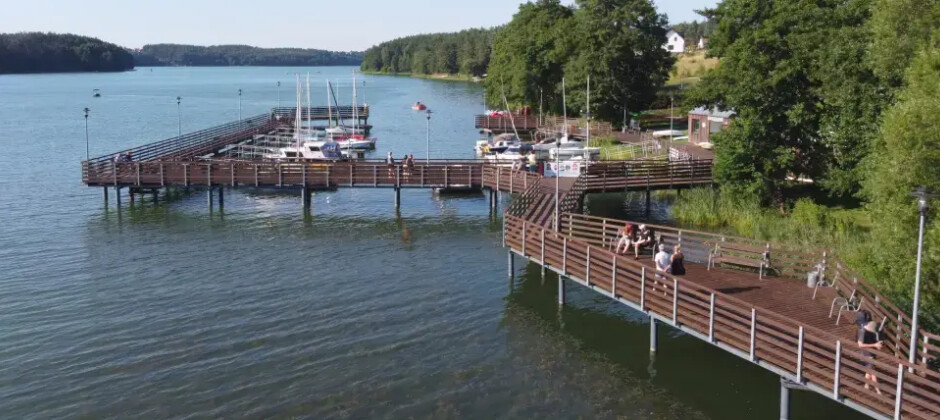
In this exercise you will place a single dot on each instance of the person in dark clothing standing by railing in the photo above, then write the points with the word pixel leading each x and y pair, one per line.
pixel 868 339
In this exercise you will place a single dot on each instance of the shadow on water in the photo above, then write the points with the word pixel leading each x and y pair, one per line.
pixel 686 378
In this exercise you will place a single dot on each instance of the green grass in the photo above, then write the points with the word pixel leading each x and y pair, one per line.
pixel 690 68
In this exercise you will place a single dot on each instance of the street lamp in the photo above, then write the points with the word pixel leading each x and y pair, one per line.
pixel 239 105
pixel 179 118
pixel 427 158
pixel 87 157
pixel 922 206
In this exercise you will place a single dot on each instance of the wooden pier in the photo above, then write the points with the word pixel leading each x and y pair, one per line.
pixel 771 318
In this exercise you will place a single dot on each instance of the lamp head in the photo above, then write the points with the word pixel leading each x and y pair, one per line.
pixel 923 198
pixel 86 110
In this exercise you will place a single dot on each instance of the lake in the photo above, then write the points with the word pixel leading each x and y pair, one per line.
pixel 352 311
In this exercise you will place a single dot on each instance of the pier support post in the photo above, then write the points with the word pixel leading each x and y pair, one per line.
pixel 512 264
pixel 654 338
pixel 117 196
pixel 648 199
pixel 784 400
pixel 209 198
pixel 561 290
pixel 306 195
pixel 221 198
pixel 156 195
pixel 105 189
pixel 397 198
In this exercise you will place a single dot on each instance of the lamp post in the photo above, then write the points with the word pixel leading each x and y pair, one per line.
pixel 427 158
pixel 278 93
pixel 671 118
pixel 922 206
pixel 87 156
pixel 179 117
pixel 239 105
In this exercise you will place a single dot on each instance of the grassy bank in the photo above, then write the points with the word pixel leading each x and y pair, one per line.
pixel 690 68
pixel 840 227
pixel 440 76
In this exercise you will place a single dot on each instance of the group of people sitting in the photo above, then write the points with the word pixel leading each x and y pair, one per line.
pixel 644 237
pixel 123 157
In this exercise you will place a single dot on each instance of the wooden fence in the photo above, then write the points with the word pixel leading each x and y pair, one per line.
pixel 647 173
pixel 805 354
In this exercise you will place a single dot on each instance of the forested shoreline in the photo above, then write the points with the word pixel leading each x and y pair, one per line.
pixel 241 55
pixel 39 52
pixel 465 53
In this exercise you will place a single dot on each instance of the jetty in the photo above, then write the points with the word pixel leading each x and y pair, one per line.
pixel 742 296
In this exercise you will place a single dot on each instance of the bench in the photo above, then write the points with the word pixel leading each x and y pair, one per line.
pixel 741 255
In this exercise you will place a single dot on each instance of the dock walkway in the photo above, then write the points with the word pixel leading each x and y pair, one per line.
pixel 771 319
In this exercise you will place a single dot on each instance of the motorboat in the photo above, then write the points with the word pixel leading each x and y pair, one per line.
pixel 571 153
pixel 418 106
pixel 96 94
pixel 355 141
pixel 514 153
pixel 308 150
pixel 497 144
pixel 345 130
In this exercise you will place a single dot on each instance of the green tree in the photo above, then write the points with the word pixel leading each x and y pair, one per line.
pixel 529 54
pixel 806 103
pixel 907 155
pixel 900 29
pixel 619 43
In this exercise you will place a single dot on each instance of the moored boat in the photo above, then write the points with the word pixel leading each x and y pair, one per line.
pixel 418 106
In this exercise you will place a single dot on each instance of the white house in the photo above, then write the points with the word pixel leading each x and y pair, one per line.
pixel 675 43
pixel 702 43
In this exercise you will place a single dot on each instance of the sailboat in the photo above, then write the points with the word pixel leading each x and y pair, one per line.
pixel 305 147
pixel 350 137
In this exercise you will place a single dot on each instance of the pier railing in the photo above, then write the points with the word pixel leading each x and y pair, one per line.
pixel 154 174
pixel 506 179
pixel 503 123
pixel 344 112
pixel 197 141
pixel 805 354
pixel 651 173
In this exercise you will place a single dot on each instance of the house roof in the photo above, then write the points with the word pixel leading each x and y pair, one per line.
pixel 714 112
pixel 673 31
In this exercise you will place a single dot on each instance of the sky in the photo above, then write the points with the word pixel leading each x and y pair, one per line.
pixel 348 25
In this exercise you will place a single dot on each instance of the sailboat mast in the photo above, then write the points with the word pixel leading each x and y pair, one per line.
pixel 309 106
pixel 564 106
pixel 355 106
pixel 329 109
pixel 298 116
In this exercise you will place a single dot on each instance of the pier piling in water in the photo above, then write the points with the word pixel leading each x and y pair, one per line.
pixel 105 189
pixel 784 400
pixel 306 195
pixel 117 196
pixel 397 198
pixel 561 290
pixel 654 339
pixel 221 198
pixel 209 198
pixel 512 264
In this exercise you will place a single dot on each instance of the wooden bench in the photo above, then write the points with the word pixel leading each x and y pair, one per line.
pixel 741 255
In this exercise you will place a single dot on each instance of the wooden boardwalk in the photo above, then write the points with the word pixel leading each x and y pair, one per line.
pixel 776 322
pixel 772 320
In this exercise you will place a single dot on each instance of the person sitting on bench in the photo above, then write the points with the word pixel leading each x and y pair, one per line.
pixel 643 238
pixel 626 237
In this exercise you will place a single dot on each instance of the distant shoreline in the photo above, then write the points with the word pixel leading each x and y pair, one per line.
pixel 442 77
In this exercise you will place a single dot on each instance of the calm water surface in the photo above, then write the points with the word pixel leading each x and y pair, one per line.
pixel 353 311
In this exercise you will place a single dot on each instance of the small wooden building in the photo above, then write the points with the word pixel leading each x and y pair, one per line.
pixel 703 122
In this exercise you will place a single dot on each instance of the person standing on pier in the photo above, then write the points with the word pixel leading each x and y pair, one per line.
pixel 663 261
pixel 390 161
pixel 868 339
pixel 677 262
pixel 533 164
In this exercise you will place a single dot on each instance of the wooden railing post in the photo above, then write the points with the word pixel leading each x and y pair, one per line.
pixel 613 276
pixel 497 178
pixel 504 231
pixel 838 369
pixel 543 247
pixel 564 255
pixel 231 172
pixel 162 176
pixel 114 172
pixel 209 174
pixel 303 174
pixel 375 176
pixel 711 320
pixel 512 182
pixel 898 392
pixel 926 343
pixel 138 174
pixel 799 358
pixel 753 334
pixel 675 302
pixel 446 171
pixel 186 174
pixel 643 288
pixel 524 225
pixel 587 265
pixel 256 175
pixel 280 175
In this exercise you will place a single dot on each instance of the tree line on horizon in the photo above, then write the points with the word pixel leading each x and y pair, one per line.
pixel 39 52
pixel 466 53
pixel 241 55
